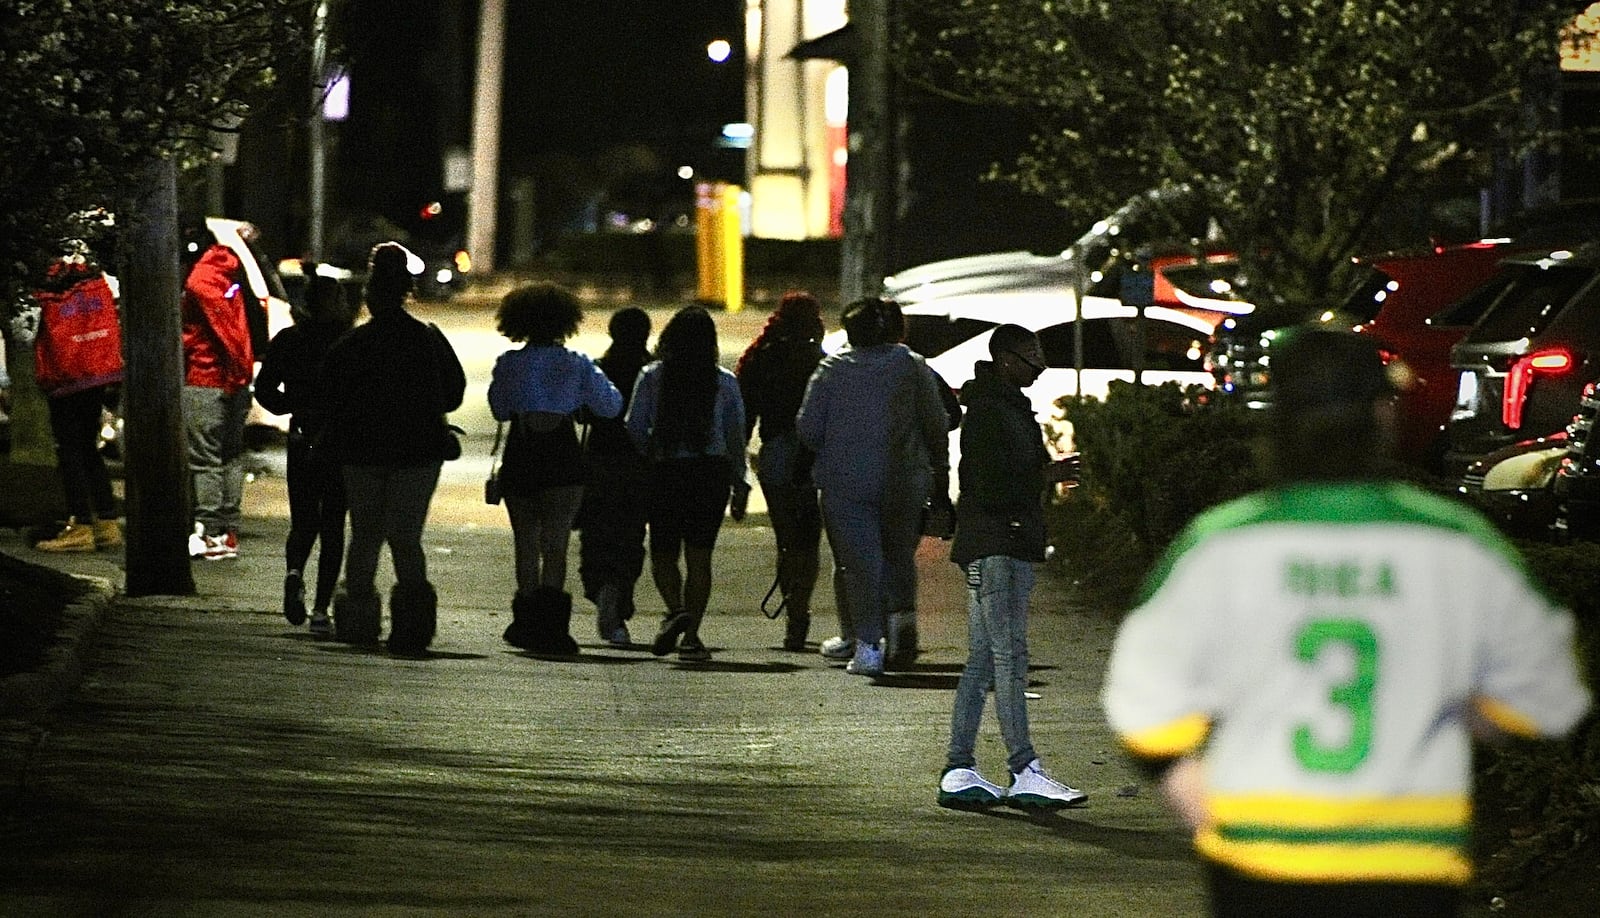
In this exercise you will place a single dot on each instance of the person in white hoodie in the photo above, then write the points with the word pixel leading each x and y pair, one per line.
pixel 873 415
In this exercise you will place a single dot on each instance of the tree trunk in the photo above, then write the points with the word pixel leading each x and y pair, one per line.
pixel 158 504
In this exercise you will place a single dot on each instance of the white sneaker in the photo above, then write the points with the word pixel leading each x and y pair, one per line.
pixel 197 541
pixel 868 661
pixel 965 789
pixel 838 648
pixel 1031 788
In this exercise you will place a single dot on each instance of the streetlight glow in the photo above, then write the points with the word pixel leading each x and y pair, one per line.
pixel 719 50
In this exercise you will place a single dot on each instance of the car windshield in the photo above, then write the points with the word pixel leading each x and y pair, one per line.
pixel 932 335
pixel 1534 297
pixel 1368 295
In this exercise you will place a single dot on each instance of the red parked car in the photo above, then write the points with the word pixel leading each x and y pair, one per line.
pixel 1400 292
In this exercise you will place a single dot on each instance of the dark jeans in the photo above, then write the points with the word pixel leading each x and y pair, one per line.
pixel 1234 895
pixel 796 515
pixel 75 424
pixel 316 511
pixel 388 505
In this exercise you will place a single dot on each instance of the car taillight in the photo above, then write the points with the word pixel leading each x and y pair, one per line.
pixel 1520 377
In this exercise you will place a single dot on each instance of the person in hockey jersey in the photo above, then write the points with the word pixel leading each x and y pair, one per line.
pixel 1308 664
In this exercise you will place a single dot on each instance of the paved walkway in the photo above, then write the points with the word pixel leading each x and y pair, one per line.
pixel 215 761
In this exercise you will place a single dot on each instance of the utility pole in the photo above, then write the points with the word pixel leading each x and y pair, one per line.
pixel 319 90
pixel 483 198
pixel 869 205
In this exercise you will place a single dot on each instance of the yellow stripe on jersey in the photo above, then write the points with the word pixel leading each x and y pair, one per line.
pixel 1413 839
pixel 1506 718
pixel 1339 863
pixel 1179 737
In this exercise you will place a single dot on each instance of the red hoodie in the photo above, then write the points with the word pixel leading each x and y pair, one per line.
pixel 216 331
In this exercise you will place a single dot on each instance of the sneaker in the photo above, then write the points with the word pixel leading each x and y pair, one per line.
pixel 868 661
pixel 838 648
pixel 321 623
pixel 224 547
pixel 1031 788
pixel 294 598
pixel 618 637
pixel 73 537
pixel 693 650
pixel 965 789
pixel 197 541
pixel 671 629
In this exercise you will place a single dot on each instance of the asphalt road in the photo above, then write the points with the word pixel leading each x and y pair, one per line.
pixel 215 761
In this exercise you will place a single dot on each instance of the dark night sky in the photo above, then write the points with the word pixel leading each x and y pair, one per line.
pixel 580 77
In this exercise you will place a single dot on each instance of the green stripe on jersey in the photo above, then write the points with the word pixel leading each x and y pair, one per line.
pixel 1347 835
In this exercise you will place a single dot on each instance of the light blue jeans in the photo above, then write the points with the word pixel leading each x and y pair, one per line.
pixel 214 427
pixel 874 557
pixel 998 588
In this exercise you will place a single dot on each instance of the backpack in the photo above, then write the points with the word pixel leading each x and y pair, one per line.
pixel 79 345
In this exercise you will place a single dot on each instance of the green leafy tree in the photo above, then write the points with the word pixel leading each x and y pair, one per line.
pixel 1298 125
pixel 104 101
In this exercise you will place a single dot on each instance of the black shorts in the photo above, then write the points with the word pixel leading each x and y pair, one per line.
pixel 688 498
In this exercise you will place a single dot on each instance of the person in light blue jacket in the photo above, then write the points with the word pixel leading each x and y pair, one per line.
pixel 538 388
pixel 687 417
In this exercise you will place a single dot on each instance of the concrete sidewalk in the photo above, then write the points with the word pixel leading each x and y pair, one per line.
pixel 215 761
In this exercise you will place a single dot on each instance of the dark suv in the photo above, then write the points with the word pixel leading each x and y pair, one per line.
pixel 1524 364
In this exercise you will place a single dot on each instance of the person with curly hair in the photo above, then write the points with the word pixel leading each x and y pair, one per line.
pixel 773 372
pixel 687 417
pixel 538 389
pixel 611 519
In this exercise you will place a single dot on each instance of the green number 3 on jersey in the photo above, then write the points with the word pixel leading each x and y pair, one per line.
pixel 1355 695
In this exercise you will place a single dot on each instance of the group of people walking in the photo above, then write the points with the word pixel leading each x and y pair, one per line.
pixel 1317 776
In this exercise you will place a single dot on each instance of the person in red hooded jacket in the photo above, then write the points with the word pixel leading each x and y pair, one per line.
pixel 218 366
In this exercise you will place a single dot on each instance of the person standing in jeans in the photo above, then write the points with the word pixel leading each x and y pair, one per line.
pixel 219 362
pixel 1000 535
pixel 391 382
pixel 773 372
pixel 289 383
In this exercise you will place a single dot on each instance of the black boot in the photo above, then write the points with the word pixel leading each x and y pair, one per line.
pixel 552 623
pixel 521 632
pixel 357 616
pixel 413 617
pixel 795 630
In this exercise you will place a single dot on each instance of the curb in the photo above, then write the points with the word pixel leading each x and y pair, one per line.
pixel 30 697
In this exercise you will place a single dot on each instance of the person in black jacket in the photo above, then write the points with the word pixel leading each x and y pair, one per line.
pixel 999 536
pixel 391 383
pixel 773 372
pixel 289 382
pixel 612 517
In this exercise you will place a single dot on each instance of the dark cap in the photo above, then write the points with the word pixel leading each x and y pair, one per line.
pixel 1317 368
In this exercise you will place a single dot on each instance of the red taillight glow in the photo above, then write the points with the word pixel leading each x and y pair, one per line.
pixel 1520 377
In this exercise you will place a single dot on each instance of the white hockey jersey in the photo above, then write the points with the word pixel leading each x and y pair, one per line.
pixel 1324 649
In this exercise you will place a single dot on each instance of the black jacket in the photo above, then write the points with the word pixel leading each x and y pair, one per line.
pixel 389 384
pixel 1003 458
pixel 291 372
